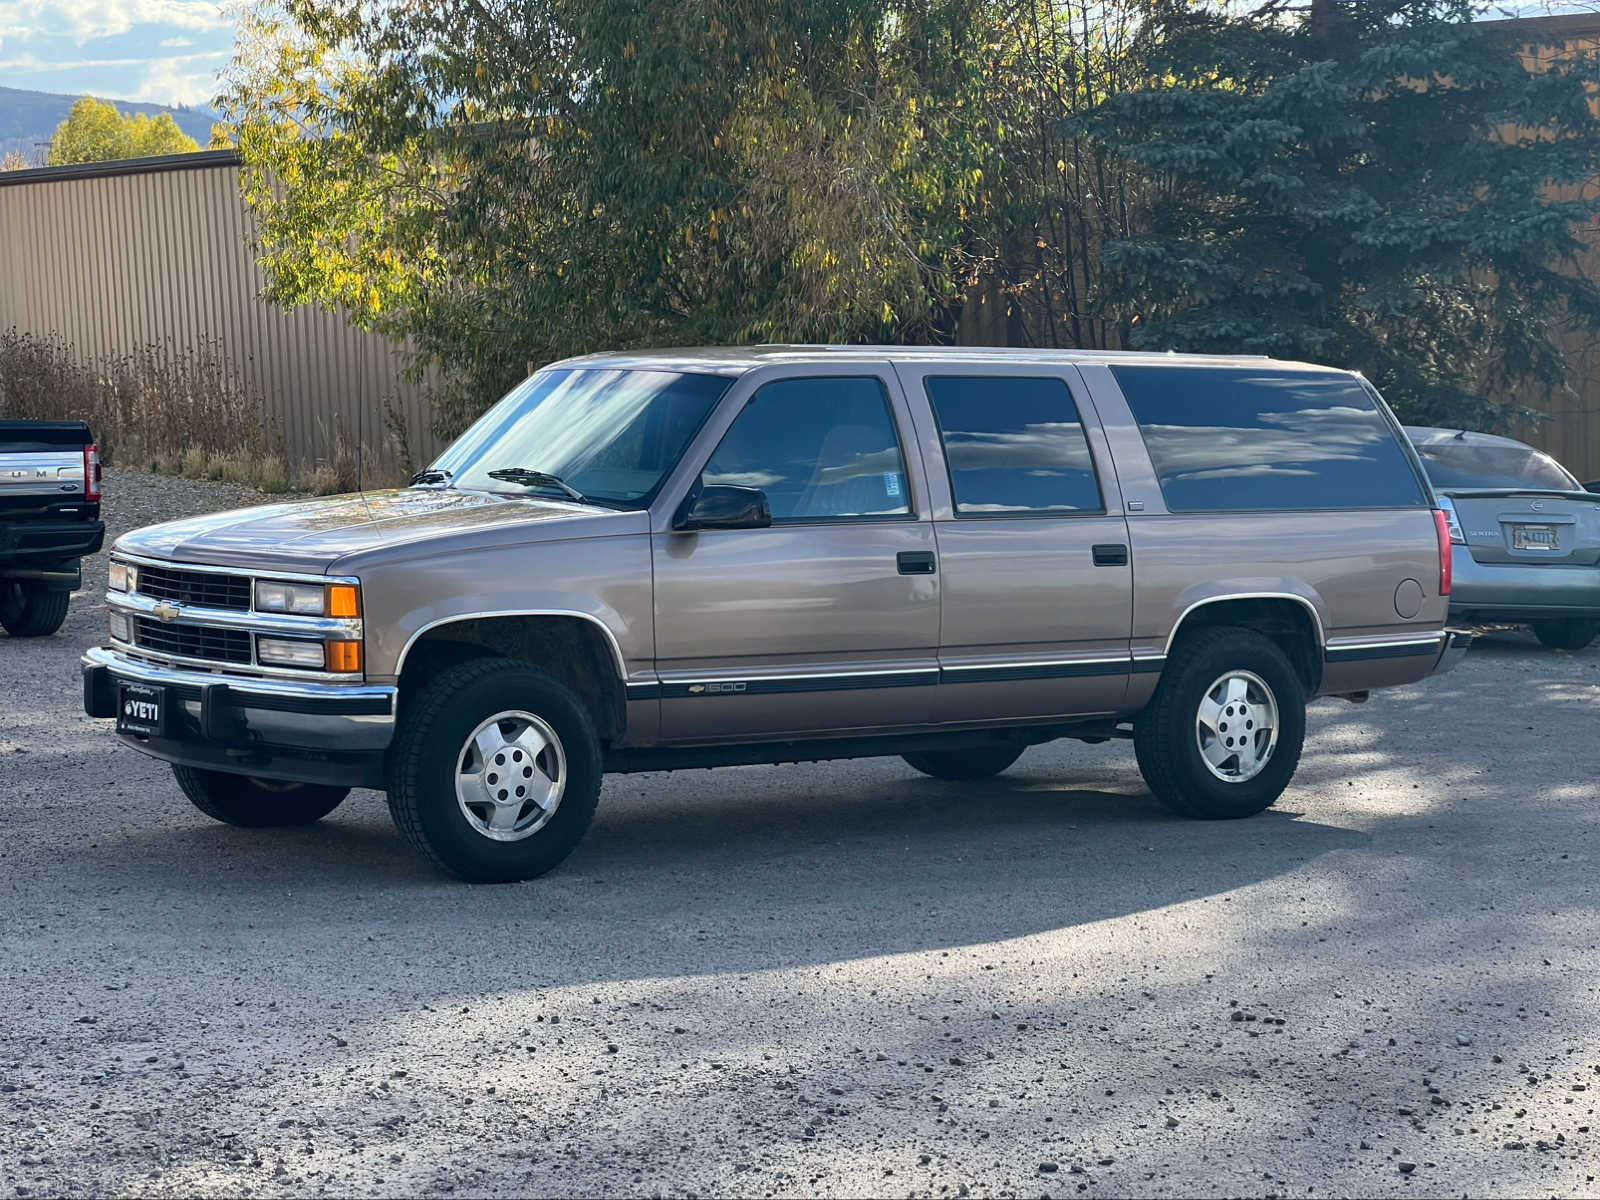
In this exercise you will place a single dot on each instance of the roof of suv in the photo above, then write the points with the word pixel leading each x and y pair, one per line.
pixel 737 359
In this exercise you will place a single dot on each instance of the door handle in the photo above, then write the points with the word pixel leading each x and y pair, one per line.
pixel 1111 555
pixel 914 562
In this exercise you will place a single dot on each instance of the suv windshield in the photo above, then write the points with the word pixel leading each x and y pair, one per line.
pixel 611 435
pixel 1464 464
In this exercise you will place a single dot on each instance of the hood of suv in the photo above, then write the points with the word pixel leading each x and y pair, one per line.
pixel 310 535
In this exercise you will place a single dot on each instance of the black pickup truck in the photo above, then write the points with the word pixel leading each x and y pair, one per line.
pixel 49 519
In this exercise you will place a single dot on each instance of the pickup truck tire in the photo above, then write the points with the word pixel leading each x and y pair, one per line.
pixel 964 764
pixel 496 720
pixel 256 803
pixel 31 609
pixel 1574 634
pixel 1213 681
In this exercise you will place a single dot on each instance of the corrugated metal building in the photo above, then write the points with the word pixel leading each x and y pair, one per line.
pixel 110 257
pixel 114 256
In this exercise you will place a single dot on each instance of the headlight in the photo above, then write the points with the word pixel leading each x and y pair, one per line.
pixel 121 627
pixel 121 577
pixel 290 652
pixel 304 599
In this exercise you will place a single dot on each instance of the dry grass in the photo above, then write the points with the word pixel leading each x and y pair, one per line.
pixel 178 412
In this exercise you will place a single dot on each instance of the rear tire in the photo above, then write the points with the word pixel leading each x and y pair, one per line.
pixel 256 803
pixel 495 771
pixel 1195 706
pixel 1573 634
pixel 31 609
pixel 980 763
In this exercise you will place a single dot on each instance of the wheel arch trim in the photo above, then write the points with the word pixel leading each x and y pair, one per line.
pixel 456 618
pixel 1305 602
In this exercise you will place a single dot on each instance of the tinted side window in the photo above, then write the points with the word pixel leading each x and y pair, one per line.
pixel 1241 438
pixel 1013 445
pixel 822 449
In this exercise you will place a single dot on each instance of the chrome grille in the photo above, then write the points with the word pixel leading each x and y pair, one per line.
pixel 200 588
pixel 192 641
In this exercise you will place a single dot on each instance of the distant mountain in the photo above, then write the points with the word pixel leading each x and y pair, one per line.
pixel 29 118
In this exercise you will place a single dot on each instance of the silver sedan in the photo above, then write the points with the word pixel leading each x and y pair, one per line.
pixel 1525 534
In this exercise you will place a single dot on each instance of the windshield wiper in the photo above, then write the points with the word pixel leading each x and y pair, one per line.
pixel 431 475
pixel 539 479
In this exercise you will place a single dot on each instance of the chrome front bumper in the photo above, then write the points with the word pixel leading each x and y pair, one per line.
pixel 246 710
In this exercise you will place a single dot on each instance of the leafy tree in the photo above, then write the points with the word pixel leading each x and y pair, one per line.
pixel 1378 184
pixel 14 160
pixel 96 131
pixel 502 183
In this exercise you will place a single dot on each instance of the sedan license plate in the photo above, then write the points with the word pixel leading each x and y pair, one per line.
pixel 1534 537
pixel 142 709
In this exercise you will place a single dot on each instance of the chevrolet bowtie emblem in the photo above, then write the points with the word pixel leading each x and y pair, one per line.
pixel 167 612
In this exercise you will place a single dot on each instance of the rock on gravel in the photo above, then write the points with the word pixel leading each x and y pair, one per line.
pixel 813 976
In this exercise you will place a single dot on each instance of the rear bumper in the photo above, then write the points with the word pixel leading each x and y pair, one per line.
pixel 47 550
pixel 282 729
pixel 1521 591
pixel 1456 644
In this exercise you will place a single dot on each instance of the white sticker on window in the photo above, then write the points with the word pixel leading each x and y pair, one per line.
pixel 891 483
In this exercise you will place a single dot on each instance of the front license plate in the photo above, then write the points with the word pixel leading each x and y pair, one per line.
pixel 1534 537
pixel 142 709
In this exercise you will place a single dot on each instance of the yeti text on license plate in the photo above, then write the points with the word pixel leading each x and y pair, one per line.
pixel 141 709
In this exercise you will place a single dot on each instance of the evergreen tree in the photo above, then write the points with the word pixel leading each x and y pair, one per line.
pixel 1378 184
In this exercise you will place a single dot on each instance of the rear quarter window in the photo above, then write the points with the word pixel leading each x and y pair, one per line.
pixel 1240 439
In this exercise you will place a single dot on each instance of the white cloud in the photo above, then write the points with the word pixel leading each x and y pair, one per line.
pixel 31 62
pixel 85 20
pixel 176 43
pixel 176 81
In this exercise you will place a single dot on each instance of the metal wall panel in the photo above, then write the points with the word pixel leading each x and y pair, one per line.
pixel 162 252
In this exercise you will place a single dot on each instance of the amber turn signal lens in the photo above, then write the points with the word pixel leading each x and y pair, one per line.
pixel 344 600
pixel 344 656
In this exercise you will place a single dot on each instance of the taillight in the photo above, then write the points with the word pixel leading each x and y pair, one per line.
pixel 1452 521
pixel 91 472
pixel 1441 526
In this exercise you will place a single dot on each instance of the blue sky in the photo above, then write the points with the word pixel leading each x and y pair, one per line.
pixel 169 51
pixel 165 51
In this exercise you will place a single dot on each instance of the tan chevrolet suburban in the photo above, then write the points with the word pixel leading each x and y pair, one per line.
pixel 697 558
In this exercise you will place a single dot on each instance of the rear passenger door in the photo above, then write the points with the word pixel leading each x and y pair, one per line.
pixel 1035 579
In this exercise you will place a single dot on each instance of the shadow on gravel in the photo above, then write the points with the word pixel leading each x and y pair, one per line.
pixel 783 876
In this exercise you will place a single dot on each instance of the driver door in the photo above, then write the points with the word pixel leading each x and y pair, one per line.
pixel 827 622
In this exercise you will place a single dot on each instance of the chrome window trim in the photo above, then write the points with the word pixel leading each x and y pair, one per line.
pixel 173 564
pixel 1316 617
pixel 611 638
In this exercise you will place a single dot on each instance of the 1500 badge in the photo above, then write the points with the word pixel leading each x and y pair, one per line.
pixel 716 689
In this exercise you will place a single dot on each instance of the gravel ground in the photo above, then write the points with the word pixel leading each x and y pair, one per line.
pixel 842 979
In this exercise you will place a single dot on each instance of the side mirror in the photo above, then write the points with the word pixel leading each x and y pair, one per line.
pixel 721 506
pixel 1592 486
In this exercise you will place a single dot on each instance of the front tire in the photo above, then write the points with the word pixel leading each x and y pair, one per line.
pixel 256 803
pixel 964 764
pixel 495 771
pixel 1222 736
pixel 31 609
pixel 1573 634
